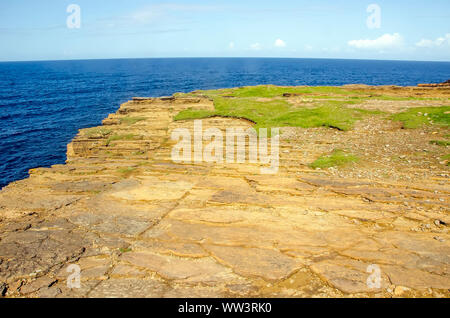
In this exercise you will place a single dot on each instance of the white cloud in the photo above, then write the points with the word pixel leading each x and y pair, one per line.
pixel 256 46
pixel 434 43
pixel 280 43
pixel 425 43
pixel 231 45
pixel 383 42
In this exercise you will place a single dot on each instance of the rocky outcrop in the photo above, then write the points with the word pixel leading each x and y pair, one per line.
pixel 443 84
pixel 139 225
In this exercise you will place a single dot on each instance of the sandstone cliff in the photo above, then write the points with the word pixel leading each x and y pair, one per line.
pixel 140 225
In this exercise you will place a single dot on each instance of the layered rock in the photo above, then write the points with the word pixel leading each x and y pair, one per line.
pixel 140 225
pixel 443 84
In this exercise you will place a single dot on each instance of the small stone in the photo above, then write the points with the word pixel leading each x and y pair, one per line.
pixel 400 290
pixel 438 238
pixel 51 292
pixel 3 289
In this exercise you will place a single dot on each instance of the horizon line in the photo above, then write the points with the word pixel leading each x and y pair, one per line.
pixel 209 57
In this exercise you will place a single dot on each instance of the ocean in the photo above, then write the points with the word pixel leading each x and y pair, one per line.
pixel 43 104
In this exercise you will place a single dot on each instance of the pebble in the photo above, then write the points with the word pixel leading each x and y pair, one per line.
pixel 51 292
pixel 400 290
pixel 3 289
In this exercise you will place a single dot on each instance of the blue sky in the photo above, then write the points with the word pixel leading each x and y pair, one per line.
pixel 408 30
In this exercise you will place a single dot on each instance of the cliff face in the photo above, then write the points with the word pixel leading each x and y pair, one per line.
pixel 140 225
pixel 445 84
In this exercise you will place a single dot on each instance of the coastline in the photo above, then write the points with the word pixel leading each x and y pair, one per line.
pixel 139 224
pixel 43 108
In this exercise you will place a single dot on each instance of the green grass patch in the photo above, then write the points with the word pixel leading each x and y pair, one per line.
pixel 418 117
pixel 335 159
pixel 97 132
pixel 189 114
pixel 325 92
pixel 126 171
pixel 131 120
pixel 280 113
pixel 447 158
pixel 125 250
pixel 328 107
pixel 332 116
pixel 271 91
pixel 120 137
pixel 443 143
pixel 403 98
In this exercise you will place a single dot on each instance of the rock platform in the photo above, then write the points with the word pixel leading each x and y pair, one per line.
pixel 140 225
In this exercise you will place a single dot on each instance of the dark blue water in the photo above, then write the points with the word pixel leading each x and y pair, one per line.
pixel 43 104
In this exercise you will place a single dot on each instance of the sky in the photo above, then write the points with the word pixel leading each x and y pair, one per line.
pixel 102 29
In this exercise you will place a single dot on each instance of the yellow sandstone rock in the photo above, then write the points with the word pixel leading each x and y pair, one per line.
pixel 140 225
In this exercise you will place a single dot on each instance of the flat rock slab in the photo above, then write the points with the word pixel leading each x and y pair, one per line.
pixel 204 270
pixel 349 279
pixel 254 262
pixel 129 288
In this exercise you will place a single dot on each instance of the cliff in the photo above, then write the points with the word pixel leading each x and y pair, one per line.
pixel 140 225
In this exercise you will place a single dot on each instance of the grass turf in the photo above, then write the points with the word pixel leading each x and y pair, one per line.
pixel 335 159
pixel 327 107
pixel 418 117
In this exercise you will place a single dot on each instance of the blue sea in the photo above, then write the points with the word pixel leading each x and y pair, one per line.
pixel 43 104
